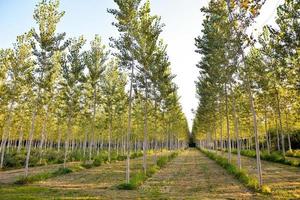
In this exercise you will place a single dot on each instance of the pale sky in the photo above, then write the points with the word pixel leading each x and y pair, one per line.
pixel 183 21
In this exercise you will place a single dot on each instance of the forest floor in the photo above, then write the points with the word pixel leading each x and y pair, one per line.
pixel 284 180
pixel 191 175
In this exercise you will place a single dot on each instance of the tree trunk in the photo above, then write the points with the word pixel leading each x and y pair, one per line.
pixel 20 140
pixel 227 125
pixel 43 133
pixel 30 140
pixel 221 127
pixel 109 139
pixel 59 138
pixel 266 130
pixel 277 134
pixel 6 131
pixel 93 125
pixel 145 127
pixel 288 131
pixel 84 142
pixel 280 122
pixel 236 130
pixel 67 140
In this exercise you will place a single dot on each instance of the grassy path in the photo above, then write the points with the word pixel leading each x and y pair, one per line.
pixel 10 176
pixel 191 175
pixel 284 180
pixel 194 176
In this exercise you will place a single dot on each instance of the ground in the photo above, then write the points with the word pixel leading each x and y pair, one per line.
pixel 284 180
pixel 191 175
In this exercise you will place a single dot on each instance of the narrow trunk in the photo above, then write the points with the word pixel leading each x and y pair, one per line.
pixel 93 126
pixel 280 122
pixel 221 127
pixel 43 133
pixel 288 131
pixel 6 131
pixel 67 141
pixel 59 138
pixel 277 134
pixel 145 127
pixel 20 139
pixel 258 162
pixel 30 140
pixel 84 142
pixel 236 130
pixel 109 139
pixel 266 130
pixel 227 125
pixel 129 128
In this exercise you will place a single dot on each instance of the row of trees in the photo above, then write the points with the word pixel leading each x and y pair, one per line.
pixel 58 93
pixel 248 88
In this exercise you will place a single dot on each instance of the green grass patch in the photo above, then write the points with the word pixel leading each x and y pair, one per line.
pixel 138 178
pixel 275 156
pixel 42 176
pixel 241 175
pixel 135 181
pixel 293 153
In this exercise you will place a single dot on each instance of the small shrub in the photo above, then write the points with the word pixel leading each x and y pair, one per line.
pixel 172 156
pixel 75 156
pixel 126 186
pixel 121 157
pixel 138 178
pixel 62 171
pixel 34 178
pixel 97 162
pixel 42 176
pixel 136 155
pixel 293 153
pixel 266 189
pixel 87 165
pixel 135 181
pixel 162 161
pixel 113 156
pixel 152 170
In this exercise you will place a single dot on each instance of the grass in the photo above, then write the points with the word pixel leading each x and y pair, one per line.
pixel 138 178
pixel 241 175
pixel 273 157
pixel 293 153
pixel 42 176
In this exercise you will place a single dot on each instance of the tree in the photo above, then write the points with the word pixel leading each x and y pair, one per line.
pixel 126 16
pixel 72 85
pixel 114 97
pixel 45 44
pixel 19 67
pixel 95 61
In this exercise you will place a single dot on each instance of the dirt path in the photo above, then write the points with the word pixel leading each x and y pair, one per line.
pixel 283 180
pixel 10 176
pixel 194 176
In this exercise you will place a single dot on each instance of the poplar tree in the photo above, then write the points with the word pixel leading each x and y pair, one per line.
pixel 72 85
pixel 95 60
pixel 46 44
pixel 113 97
pixel 19 66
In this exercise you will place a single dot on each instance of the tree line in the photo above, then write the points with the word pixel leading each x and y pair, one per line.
pixel 248 88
